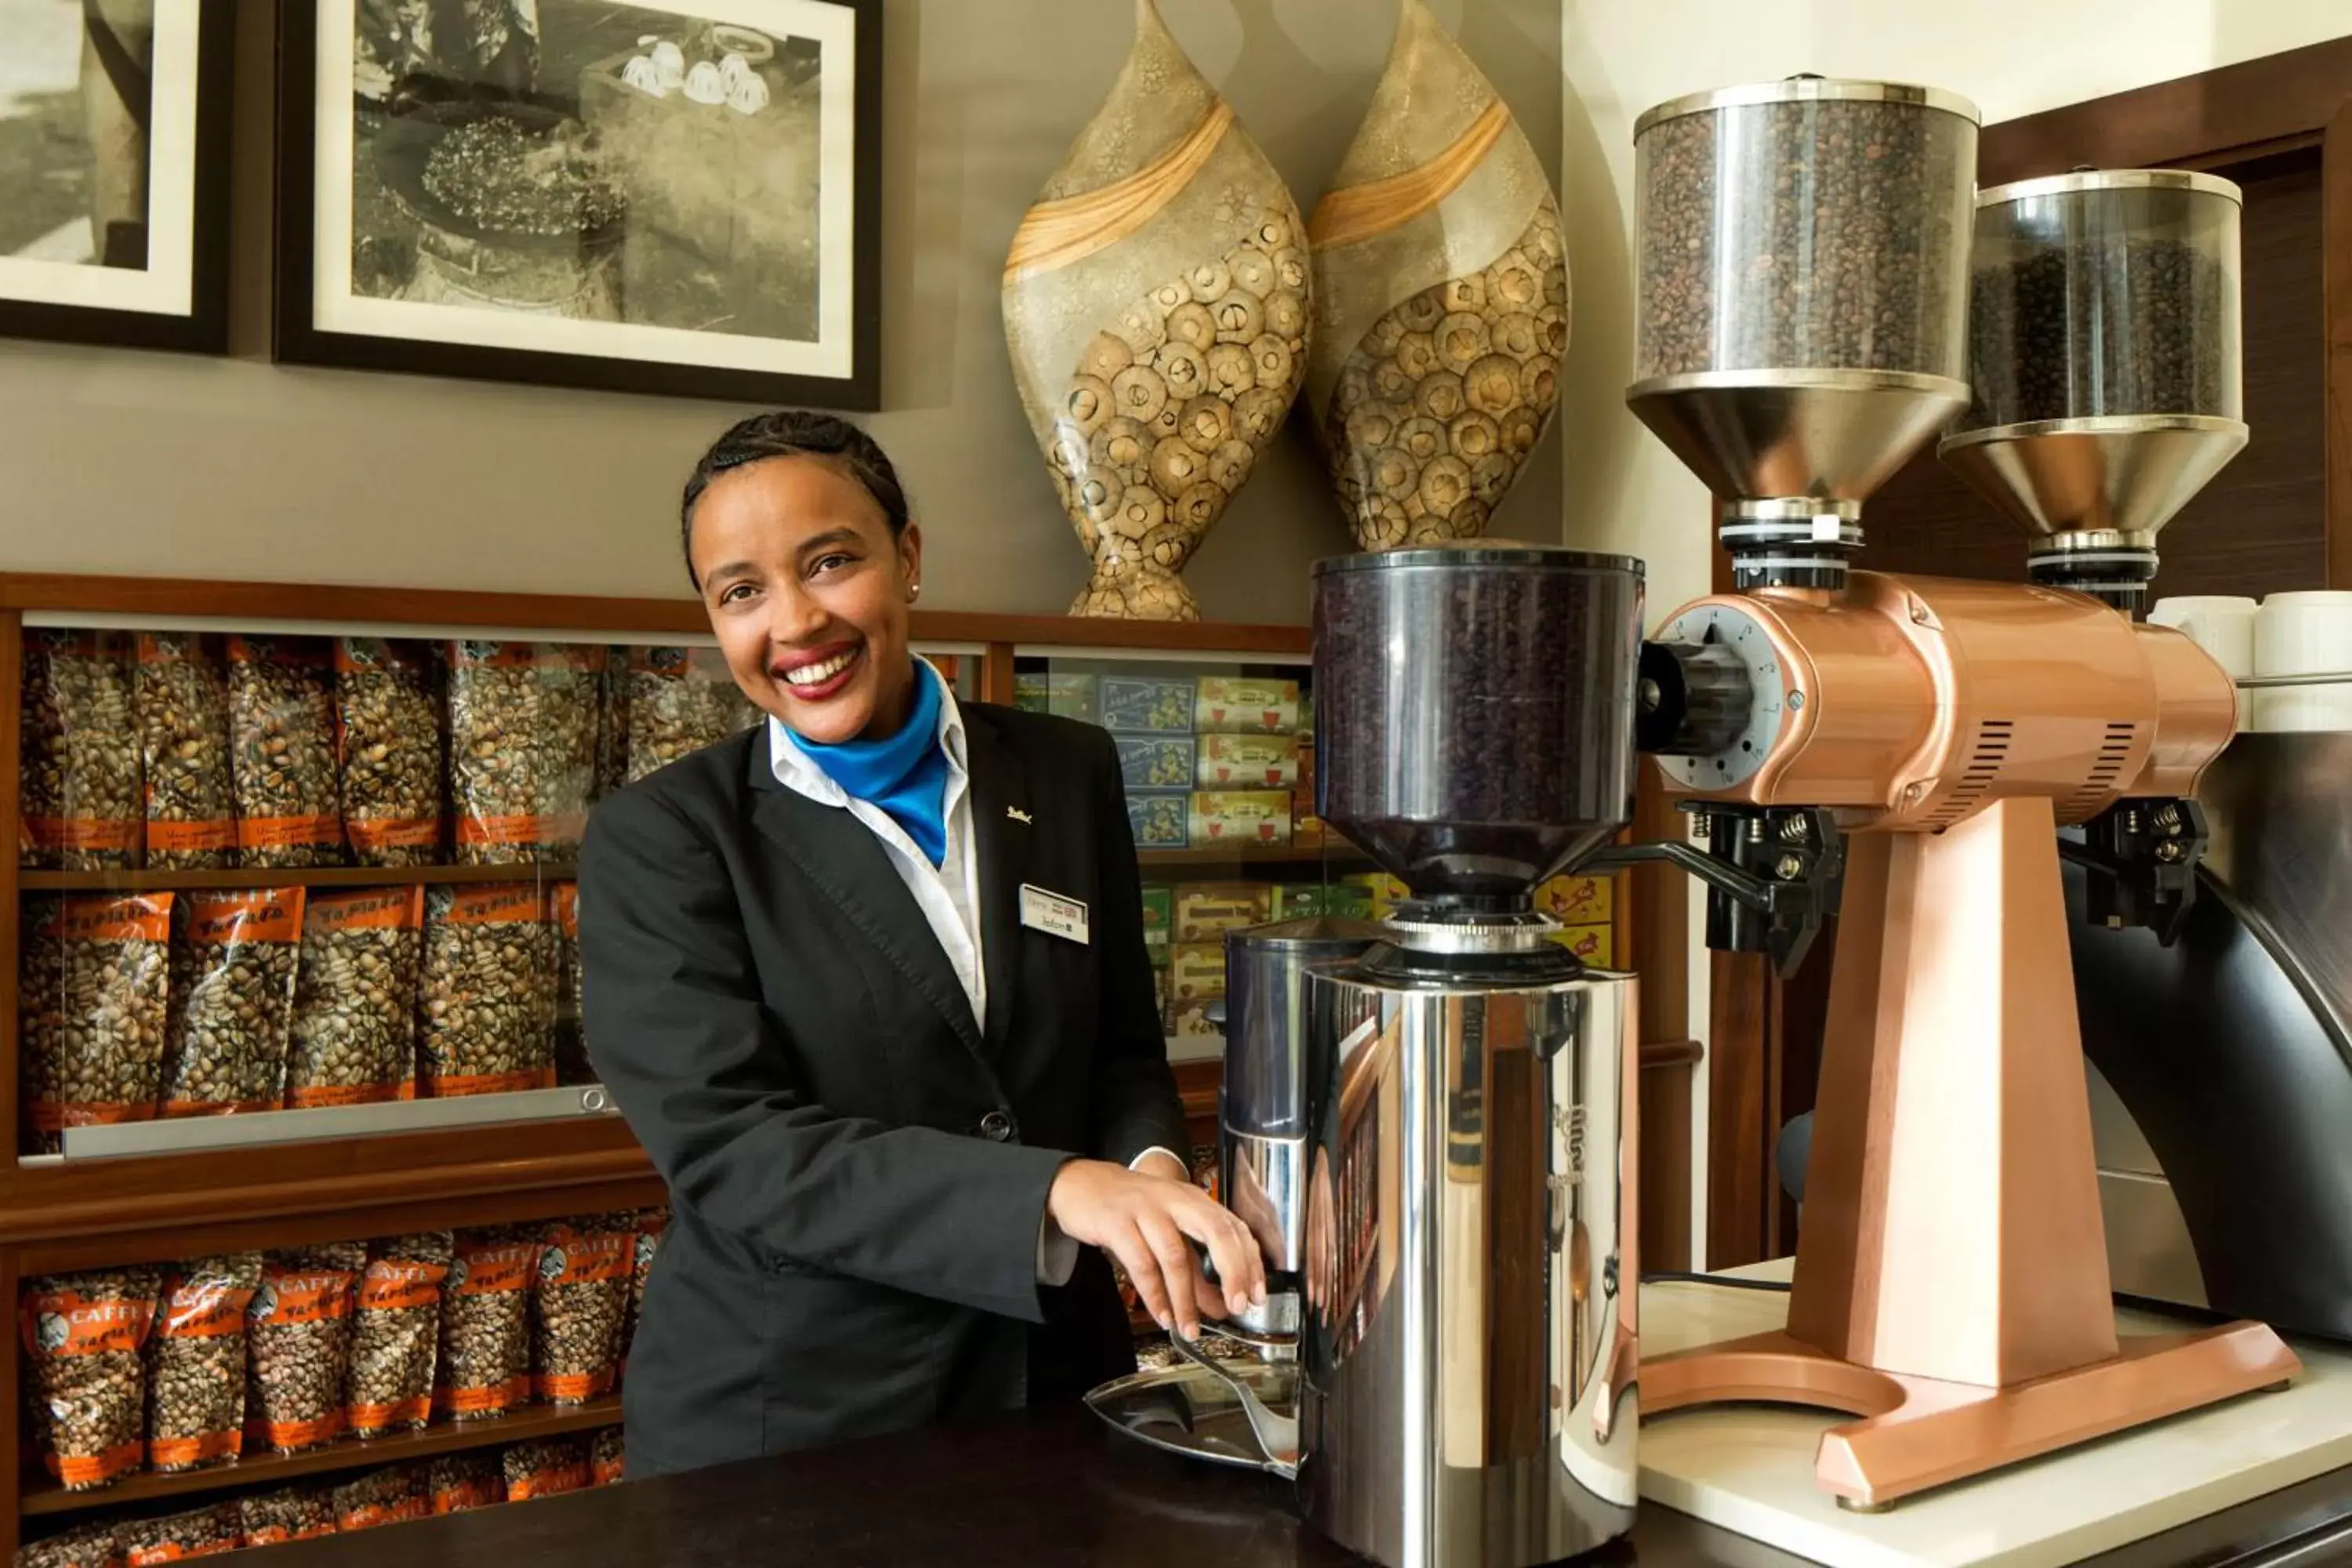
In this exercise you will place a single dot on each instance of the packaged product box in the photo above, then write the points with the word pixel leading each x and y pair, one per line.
pixel 1205 911
pixel 1307 764
pixel 1248 762
pixel 1240 816
pixel 1133 705
pixel 1595 945
pixel 1155 761
pixel 1159 999
pixel 1348 901
pixel 1299 900
pixel 1383 889
pixel 1577 901
pixel 1158 918
pixel 1193 1022
pixel 1307 715
pixel 1227 704
pixel 1197 973
pixel 1306 829
pixel 1161 819
pixel 1071 696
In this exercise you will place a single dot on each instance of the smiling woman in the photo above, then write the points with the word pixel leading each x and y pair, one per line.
pixel 870 983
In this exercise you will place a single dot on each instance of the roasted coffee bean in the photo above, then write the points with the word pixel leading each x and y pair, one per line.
pixel 1804 235
pixel 282 732
pixel 85 1382
pixel 86 1546
pixel 80 797
pixel 522 749
pixel 183 700
pixel 650 1226
pixel 486 1003
pixel 93 1000
pixel 390 714
pixel 613 722
pixel 396 1333
pixel 2111 324
pixel 199 1533
pixel 195 1362
pixel 300 1328
pixel 233 962
pixel 289 1513
pixel 354 1038
pixel 680 700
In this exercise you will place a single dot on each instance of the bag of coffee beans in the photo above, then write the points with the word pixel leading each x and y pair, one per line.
pixel 93 1001
pixel 578 1300
pixel 485 1367
pixel 547 1468
pixel 353 1040
pixel 282 735
pixel 390 1496
pixel 233 966
pixel 486 1003
pixel 644 1244
pixel 213 1531
pixel 606 1461
pixel 87 1546
pixel 522 749
pixel 388 749
pixel 680 700
pixel 183 701
pixel 461 1483
pixel 289 1513
pixel 299 1323
pixel 571 1065
pixel 83 1334
pixel 396 1333
pixel 195 1362
pixel 81 808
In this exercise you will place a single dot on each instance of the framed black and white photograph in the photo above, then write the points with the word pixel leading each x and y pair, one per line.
pixel 675 196
pixel 114 130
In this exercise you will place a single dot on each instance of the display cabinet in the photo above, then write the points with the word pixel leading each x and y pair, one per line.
pixel 285 946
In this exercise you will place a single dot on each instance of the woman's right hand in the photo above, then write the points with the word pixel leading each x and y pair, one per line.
pixel 1143 1221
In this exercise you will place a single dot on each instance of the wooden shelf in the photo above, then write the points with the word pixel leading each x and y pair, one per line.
pixel 1226 856
pixel 315 877
pixel 44 1496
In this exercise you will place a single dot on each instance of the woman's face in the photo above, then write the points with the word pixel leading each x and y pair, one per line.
pixel 808 593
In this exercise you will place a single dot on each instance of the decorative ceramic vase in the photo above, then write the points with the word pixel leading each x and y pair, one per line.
pixel 1156 306
pixel 1441 293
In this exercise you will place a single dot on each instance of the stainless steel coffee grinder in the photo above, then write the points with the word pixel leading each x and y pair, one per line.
pixel 1429 1124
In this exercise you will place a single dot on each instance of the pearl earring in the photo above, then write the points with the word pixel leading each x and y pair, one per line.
pixel 914 592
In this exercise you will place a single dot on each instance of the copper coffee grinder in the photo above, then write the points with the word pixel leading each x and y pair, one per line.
pixel 1804 275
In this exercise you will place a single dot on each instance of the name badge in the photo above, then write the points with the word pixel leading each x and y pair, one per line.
pixel 1053 915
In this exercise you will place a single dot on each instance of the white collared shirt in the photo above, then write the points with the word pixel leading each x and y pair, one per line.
pixel 947 893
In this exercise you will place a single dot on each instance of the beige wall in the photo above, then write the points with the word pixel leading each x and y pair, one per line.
pixel 150 464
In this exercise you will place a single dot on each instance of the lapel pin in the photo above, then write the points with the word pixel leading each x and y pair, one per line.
pixel 1017 815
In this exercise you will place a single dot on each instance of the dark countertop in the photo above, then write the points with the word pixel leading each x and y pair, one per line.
pixel 1056 1489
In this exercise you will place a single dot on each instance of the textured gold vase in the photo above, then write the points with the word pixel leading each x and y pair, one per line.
pixel 1156 306
pixel 1442 308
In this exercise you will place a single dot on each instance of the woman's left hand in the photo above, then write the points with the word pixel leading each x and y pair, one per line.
pixel 1143 1220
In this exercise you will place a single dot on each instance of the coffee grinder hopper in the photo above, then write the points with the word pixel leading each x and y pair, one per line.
pixel 1474 714
pixel 1795 391
pixel 2104 363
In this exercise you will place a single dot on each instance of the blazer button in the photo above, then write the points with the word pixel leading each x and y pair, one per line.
pixel 996 1127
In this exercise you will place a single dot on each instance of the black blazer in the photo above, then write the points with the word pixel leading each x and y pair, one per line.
pixel 858 1169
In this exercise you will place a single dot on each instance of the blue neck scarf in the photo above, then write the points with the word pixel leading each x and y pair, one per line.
pixel 906 774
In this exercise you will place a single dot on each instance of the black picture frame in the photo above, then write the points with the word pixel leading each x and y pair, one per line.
pixel 298 340
pixel 203 329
